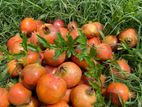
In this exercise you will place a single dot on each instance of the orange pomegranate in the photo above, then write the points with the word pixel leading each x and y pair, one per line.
pixel 93 41
pixel 72 25
pixel 59 104
pixel 33 103
pixel 104 51
pixel 70 72
pixel 50 69
pixel 31 73
pixel 48 32
pixel 14 68
pixel 30 58
pixel 50 60
pixel 12 40
pixel 111 40
pixel 50 89
pixel 4 98
pixel 67 96
pixel 117 91
pixel 19 95
pixel 28 25
pixel 83 96
pixel 129 36
pixel 92 29
pixel 123 65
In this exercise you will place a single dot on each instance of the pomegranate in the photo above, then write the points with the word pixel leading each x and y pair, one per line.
pixel 33 103
pixel 13 40
pixel 74 33
pixel 67 96
pixel 104 51
pixel 48 32
pixel 117 91
pixel 59 104
pixel 111 40
pixel 28 25
pixel 124 67
pixel 72 25
pixel 50 89
pixel 14 68
pixel 19 95
pixel 82 63
pixel 58 23
pixel 50 69
pixel 63 32
pixel 129 36
pixel 14 44
pixel 70 72
pixel 50 60
pixel 31 73
pixel 16 48
pixel 92 29
pixel 93 41
pixel 83 96
pixel 39 23
pixel 33 39
pixel 99 27
pixel 30 58
pixel 4 98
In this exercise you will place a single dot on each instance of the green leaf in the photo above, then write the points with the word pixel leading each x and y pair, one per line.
pixel 70 40
pixel 92 52
pixel 34 48
pixel 4 75
pixel 24 41
pixel 59 41
pixel 19 55
pixel 102 34
pixel 43 42
pixel 82 39
pixel 4 50
pixel 58 52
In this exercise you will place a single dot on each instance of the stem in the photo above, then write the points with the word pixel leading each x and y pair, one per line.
pixel 62 71
pixel 90 91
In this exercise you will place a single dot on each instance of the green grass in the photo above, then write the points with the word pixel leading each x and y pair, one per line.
pixel 115 15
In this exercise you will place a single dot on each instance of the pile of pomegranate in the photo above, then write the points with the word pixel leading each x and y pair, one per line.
pixel 46 81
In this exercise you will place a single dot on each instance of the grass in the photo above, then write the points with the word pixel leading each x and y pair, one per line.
pixel 115 15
